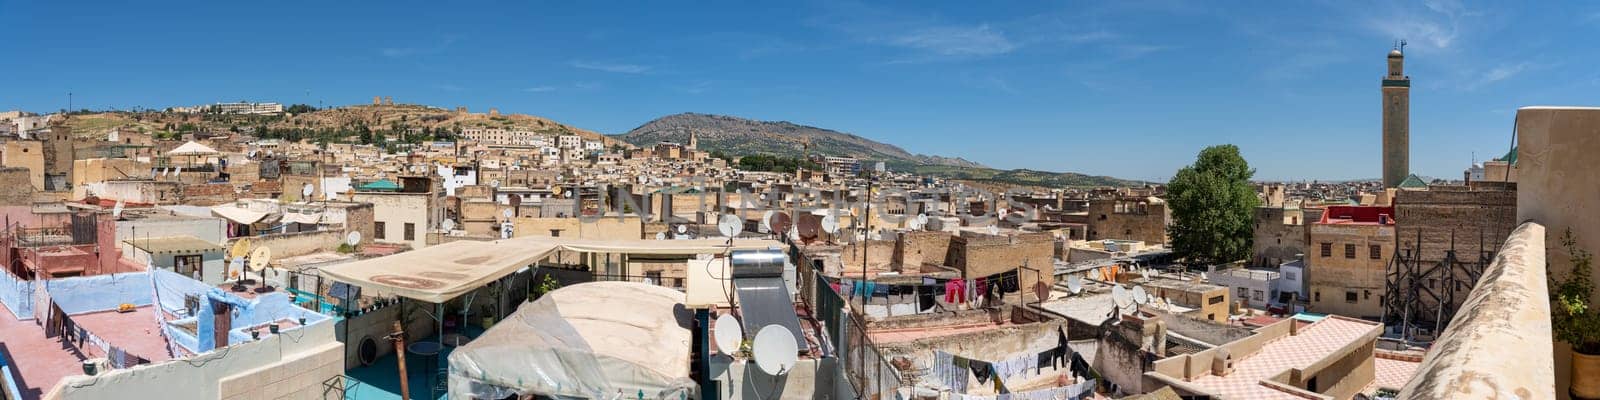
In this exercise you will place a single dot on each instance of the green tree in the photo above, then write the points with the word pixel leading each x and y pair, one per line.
pixel 1212 202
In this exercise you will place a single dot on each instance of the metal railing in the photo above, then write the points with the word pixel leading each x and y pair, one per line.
pixel 865 367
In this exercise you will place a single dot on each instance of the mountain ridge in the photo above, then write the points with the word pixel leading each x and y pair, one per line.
pixel 742 136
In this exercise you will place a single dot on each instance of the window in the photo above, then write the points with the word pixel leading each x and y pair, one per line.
pixel 1375 251
pixel 1258 295
pixel 555 233
pixel 411 231
pixel 1214 300
pixel 1311 384
pixel 189 266
pixel 1318 296
pixel 1212 316
pixel 1349 251
pixel 378 230
pixel 1289 275
pixel 1351 297
pixel 1243 292
pixel 1327 249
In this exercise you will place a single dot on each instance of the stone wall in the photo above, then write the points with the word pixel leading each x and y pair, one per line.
pixel 977 256
pixel 20 192
pixel 1280 234
pixel 1140 219
pixel 922 247
pixel 1467 216
pixel 879 253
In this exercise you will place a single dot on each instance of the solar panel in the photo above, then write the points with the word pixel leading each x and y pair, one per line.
pixel 764 299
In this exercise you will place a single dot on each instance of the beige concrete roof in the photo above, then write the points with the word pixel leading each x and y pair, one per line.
pixel 173 244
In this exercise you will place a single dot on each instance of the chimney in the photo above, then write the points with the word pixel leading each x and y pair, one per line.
pixel 222 314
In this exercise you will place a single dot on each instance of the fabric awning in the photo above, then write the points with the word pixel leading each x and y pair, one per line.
pixel 192 149
pixel 439 273
pixel 238 215
pixel 589 340
pixel 310 219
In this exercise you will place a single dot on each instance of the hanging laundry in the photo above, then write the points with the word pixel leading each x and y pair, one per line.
pixel 981 370
pixel 999 387
pixel 955 291
pixel 925 299
pixel 1008 282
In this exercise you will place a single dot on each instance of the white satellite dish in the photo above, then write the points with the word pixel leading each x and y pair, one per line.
pixel 1145 272
pixel 1139 296
pixel 766 221
pixel 661 236
pixel 566 193
pixel 164 171
pixel 728 334
pixel 1075 284
pixel 305 191
pixel 682 229
pixel 922 219
pixel 794 233
pixel 994 230
pixel 730 226
pixel 177 171
pixel 830 224
pixel 116 211
pixel 1203 277
pixel 353 238
pixel 494 183
pixel 1120 296
pixel 448 225
pixel 507 213
pixel 775 350
pixel 259 258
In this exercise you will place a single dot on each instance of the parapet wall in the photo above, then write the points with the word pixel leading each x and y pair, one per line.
pixel 1495 347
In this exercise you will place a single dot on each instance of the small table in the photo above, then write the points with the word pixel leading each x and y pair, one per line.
pixel 430 352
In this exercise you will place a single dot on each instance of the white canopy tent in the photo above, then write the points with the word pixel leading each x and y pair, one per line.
pixel 192 148
pixel 592 340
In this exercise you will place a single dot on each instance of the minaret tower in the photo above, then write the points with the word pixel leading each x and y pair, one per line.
pixel 1396 119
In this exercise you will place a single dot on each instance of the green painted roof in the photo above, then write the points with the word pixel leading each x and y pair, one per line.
pixel 1413 182
pixel 381 185
pixel 1510 157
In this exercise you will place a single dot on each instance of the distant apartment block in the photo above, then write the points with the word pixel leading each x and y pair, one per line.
pixel 503 137
pixel 233 108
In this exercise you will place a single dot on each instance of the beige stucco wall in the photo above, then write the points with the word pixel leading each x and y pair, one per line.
pixel 291 365
pixel 1329 278
pixel 1558 187
pixel 397 209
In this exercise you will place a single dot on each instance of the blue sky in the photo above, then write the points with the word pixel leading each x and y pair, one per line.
pixel 1127 88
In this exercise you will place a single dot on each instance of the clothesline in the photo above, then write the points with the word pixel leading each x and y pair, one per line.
pixel 1077 391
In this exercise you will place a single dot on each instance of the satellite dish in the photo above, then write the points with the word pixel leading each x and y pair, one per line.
pixel 794 233
pixel 353 238
pixel 494 183
pixel 507 213
pixel 775 350
pixel 994 230
pixel 305 191
pixel 117 210
pixel 448 225
pixel 177 171
pixel 682 229
pixel 728 334
pixel 1075 284
pixel 1120 295
pixel 1139 296
pixel 1203 277
pixel 661 236
pixel 240 248
pixel 730 226
pixel 766 221
pixel 260 258
pixel 830 224
pixel 164 171
pixel 1145 272
pixel 566 193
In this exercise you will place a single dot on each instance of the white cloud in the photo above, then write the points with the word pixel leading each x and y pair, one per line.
pixel 610 67
pixel 956 41
pixel 540 89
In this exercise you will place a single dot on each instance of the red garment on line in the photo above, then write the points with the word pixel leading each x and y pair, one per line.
pixel 955 291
